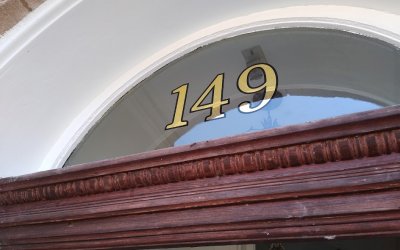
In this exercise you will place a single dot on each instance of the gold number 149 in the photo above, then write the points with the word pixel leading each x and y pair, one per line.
pixel 217 101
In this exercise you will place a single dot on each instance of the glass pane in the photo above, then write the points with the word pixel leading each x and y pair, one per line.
pixel 297 109
pixel 319 74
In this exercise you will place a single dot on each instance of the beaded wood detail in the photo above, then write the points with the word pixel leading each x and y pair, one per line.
pixel 338 176
pixel 319 152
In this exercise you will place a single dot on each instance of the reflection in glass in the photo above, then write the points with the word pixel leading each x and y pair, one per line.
pixel 280 111
pixel 321 73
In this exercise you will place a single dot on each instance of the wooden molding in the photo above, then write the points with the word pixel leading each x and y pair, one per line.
pixel 333 178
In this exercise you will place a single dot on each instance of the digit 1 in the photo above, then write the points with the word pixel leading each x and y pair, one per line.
pixel 180 105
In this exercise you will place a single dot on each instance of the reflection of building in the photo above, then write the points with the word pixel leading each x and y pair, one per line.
pixel 65 70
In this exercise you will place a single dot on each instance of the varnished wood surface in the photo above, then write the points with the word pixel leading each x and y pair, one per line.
pixel 338 177
pixel 356 136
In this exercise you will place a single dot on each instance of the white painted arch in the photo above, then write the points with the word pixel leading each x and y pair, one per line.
pixel 369 22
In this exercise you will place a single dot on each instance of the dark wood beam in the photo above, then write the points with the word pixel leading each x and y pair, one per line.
pixel 332 178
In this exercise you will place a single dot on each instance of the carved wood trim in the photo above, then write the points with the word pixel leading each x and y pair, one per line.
pixel 361 135
pixel 333 177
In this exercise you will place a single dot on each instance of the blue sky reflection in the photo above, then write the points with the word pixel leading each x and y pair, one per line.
pixel 283 111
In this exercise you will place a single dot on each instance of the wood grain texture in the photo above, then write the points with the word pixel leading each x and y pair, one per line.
pixel 336 177
pixel 367 134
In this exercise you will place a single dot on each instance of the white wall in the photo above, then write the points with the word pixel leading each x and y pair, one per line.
pixel 69 61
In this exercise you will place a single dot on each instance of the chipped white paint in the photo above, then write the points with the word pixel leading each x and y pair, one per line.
pixel 330 237
pixel 24 32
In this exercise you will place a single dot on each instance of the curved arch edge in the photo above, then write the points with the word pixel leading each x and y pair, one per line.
pixel 376 24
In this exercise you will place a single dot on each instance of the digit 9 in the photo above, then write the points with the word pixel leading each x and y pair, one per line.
pixel 269 86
